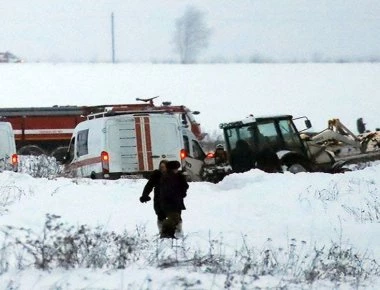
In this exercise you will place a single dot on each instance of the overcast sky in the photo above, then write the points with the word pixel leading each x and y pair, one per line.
pixel 79 30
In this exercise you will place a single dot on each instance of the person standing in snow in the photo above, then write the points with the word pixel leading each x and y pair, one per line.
pixel 154 183
pixel 173 190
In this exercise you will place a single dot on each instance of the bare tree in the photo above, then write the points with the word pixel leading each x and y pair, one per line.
pixel 191 34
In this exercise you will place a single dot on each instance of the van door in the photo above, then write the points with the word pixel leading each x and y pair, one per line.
pixel 165 138
pixel 194 160
pixel 122 138
pixel 140 142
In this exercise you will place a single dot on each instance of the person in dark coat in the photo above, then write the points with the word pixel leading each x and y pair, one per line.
pixel 220 155
pixel 242 157
pixel 173 190
pixel 154 183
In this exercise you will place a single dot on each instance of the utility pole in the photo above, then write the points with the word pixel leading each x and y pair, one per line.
pixel 113 37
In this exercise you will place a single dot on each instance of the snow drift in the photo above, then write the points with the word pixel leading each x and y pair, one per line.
pixel 262 211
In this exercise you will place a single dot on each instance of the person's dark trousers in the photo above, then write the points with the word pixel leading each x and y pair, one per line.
pixel 170 223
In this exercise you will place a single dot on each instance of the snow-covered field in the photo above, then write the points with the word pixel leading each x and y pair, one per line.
pixel 304 231
pixel 222 92
pixel 254 212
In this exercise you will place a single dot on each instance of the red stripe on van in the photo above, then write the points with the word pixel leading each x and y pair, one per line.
pixel 140 155
pixel 148 143
pixel 89 161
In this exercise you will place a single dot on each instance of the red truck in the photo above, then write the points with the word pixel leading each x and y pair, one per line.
pixel 48 130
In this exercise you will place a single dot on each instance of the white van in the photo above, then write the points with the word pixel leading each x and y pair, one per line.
pixel 8 156
pixel 111 146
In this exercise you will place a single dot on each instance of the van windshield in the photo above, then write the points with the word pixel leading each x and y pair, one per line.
pixel 70 152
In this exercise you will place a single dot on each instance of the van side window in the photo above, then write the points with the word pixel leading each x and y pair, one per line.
pixel 82 142
pixel 186 144
pixel 197 151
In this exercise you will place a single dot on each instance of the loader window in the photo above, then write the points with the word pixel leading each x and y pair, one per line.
pixel 268 136
pixel 291 139
pixel 82 143
pixel 246 133
pixel 231 137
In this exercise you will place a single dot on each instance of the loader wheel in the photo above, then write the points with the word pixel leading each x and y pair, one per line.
pixel 31 150
pixel 297 168
pixel 343 170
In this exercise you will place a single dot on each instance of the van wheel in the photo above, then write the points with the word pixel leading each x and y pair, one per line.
pixel 31 150
pixel 93 175
pixel 114 176
pixel 59 153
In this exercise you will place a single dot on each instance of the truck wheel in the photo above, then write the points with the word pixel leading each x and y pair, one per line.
pixel 31 150
pixel 297 168
pixel 59 153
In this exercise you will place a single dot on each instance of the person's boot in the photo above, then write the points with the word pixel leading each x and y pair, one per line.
pixel 167 232
pixel 178 230
pixel 159 226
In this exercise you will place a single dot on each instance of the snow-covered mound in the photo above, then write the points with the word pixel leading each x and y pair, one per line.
pixel 39 166
pixel 259 210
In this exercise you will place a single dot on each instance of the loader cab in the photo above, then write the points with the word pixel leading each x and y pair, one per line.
pixel 277 133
